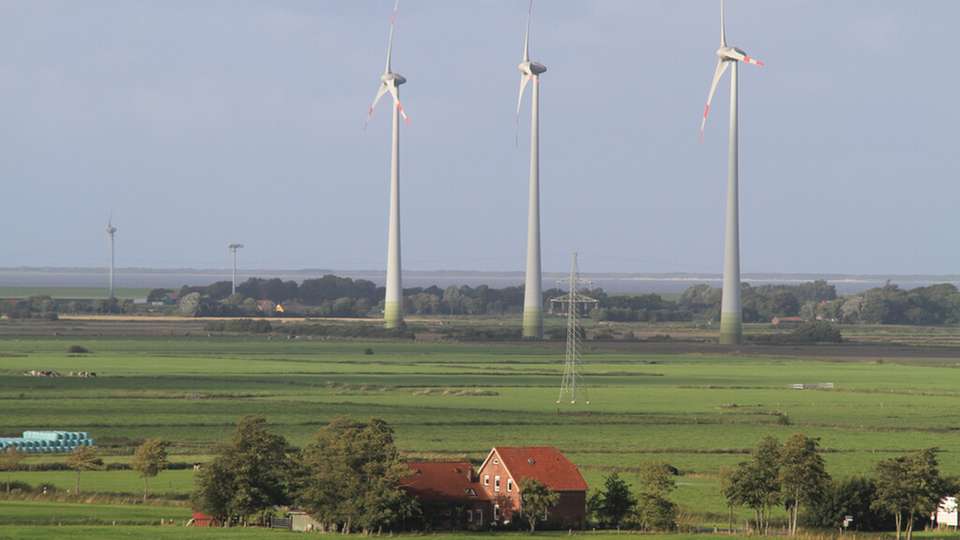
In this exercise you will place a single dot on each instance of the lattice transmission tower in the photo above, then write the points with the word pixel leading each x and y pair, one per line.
pixel 572 386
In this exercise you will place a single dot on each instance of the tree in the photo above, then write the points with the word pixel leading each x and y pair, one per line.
pixel 353 476
pixel 536 500
pixel 802 474
pixel 251 474
pixel 615 502
pixel 10 459
pixel 83 458
pixel 654 511
pixel 908 486
pixel 849 497
pixel 149 459
pixel 756 483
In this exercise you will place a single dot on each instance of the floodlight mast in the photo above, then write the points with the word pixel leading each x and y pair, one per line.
pixel 111 231
pixel 233 284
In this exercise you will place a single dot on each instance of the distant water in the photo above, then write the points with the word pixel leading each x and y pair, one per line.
pixel 614 283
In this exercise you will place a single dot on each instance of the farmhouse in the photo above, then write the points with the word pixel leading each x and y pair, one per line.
pixel 453 495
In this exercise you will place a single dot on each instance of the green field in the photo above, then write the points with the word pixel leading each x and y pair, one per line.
pixel 696 411
pixel 72 293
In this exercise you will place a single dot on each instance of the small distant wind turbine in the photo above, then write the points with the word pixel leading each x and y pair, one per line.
pixel 533 295
pixel 731 316
pixel 390 82
pixel 111 231
pixel 233 249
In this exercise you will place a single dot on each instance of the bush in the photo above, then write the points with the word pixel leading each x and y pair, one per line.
pixel 247 326
pixel 808 332
pixel 368 351
pixel 78 349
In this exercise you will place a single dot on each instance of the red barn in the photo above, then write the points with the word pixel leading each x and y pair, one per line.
pixel 501 473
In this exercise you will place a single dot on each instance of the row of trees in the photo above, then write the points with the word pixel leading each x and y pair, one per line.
pixel 148 460
pixel 348 477
pixel 904 489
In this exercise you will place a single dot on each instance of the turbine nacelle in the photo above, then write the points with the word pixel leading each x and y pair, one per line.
pixel 390 78
pixel 529 68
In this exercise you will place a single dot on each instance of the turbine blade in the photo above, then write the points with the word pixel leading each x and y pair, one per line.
pixel 393 23
pixel 752 60
pixel 380 92
pixel 524 79
pixel 717 75
pixel 723 29
pixel 744 57
pixel 526 36
pixel 396 102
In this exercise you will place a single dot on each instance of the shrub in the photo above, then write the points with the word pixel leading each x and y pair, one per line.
pixel 368 351
pixel 78 349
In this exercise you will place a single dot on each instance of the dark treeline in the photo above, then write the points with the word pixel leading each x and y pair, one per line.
pixel 334 296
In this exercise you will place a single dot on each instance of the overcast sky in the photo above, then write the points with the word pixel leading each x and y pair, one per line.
pixel 202 123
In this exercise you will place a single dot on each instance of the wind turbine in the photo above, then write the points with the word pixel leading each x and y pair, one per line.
pixel 533 295
pixel 390 82
pixel 233 249
pixel 731 315
pixel 111 231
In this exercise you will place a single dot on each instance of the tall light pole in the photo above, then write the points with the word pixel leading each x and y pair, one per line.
pixel 111 231
pixel 233 249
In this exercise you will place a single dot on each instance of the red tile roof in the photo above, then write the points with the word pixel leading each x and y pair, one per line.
pixel 432 481
pixel 543 463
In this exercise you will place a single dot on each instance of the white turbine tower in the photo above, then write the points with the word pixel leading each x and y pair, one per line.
pixel 533 294
pixel 233 282
pixel 731 317
pixel 390 82
pixel 111 231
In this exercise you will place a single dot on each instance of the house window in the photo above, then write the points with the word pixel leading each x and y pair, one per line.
pixel 469 516
pixel 496 512
pixel 480 516
pixel 509 484
pixel 496 483
pixel 496 461
pixel 486 479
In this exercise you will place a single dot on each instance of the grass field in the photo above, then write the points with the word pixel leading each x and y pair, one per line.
pixel 696 411
pixel 72 293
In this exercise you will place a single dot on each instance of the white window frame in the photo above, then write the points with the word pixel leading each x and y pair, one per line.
pixel 486 479
pixel 496 483
pixel 469 516
pixel 496 512
pixel 509 485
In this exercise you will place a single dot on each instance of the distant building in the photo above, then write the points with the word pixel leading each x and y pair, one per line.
pixel 200 519
pixel 786 321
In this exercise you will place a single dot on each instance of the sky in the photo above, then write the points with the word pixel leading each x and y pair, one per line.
pixel 197 124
